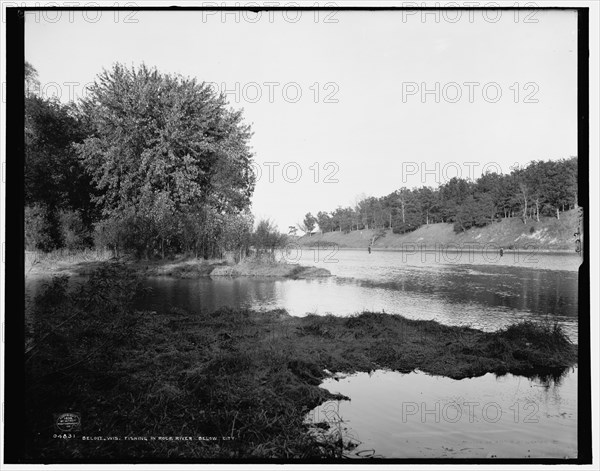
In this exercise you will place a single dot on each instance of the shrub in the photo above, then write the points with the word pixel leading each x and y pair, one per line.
pixel 41 229
pixel 402 228
pixel 75 235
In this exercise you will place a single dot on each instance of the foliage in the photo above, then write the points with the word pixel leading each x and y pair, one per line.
pixel 164 137
pixel 57 191
pixel 148 163
pixel 53 174
pixel 40 230
pixel 309 223
pixel 169 159
pixel 540 189
pixel 266 238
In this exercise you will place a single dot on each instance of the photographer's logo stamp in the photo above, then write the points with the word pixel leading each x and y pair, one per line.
pixel 67 422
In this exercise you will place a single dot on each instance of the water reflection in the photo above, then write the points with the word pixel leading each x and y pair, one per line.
pixel 420 416
pixel 450 297
pixel 486 297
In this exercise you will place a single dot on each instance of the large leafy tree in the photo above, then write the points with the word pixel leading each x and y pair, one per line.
pixel 56 186
pixel 161 140
pixel 53 174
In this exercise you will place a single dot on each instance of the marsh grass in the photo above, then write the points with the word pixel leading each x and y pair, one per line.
pixel 248 378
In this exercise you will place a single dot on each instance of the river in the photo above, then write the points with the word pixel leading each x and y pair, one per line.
pixel 393 415
pixel 486 294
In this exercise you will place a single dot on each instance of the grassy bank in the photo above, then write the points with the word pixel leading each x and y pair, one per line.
pixel 245 377
pixel 84 263
pixel 549 234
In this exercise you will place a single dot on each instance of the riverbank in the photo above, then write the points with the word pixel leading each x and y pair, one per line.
pixel 84 264
pixel 547 235
pixel 231 384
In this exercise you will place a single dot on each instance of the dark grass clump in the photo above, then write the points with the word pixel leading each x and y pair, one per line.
pixel 244 379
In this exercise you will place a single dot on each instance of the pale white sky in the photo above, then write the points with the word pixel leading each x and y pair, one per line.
pixel 360 115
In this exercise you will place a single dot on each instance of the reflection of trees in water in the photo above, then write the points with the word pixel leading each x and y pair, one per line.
pixel 541 292
pixel 205 295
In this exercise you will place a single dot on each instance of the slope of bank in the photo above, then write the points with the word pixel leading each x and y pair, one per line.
pixel 549 234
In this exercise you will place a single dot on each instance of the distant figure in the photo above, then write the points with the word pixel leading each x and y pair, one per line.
pixel 369 249
pixel 501 251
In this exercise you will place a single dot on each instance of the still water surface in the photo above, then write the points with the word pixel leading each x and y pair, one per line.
pixel 395 415
pixel 483 294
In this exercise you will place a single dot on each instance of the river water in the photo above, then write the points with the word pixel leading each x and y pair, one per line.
pixel 394 415
pixel 415 415
pixel 473 290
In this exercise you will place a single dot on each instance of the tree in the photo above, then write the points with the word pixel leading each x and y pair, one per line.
pixel 559 186
pixel 324 221
pixel 266 238
pixel 403 201
pixel 236 234
pixel 308 225
pixel 541 188
pixel 165 143
pixel 54 179
pixel 32 83
pixel 428 203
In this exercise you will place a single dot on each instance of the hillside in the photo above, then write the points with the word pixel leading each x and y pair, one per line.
pixel 548 234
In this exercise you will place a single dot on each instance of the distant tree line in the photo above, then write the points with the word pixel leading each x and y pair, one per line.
pixel 543 188
pixel 147 163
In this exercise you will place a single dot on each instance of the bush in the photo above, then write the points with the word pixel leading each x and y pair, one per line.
pixel 41 229
pixel 128 233
pixel 402 228
pixel 75 235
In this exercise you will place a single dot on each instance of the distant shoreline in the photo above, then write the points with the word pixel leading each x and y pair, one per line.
pixel 548 235
pixel 447 249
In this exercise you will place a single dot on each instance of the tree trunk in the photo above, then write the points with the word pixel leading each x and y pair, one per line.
pixel 557 213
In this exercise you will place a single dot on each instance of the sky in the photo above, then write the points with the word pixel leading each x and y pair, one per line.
pixel 347 104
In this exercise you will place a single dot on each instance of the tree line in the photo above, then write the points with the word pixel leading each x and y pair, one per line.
pixel 542 188
pixel 147 163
